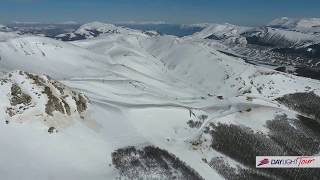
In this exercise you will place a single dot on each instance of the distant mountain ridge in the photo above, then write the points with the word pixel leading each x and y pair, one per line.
pixel 311 25
pixel 95 29
pixel 282 42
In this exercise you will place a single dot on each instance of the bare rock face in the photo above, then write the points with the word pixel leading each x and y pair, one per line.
pixel 81 102
pixel 18 97
pixel 26 96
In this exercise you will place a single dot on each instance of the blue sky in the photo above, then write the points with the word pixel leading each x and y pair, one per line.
pixel 246 12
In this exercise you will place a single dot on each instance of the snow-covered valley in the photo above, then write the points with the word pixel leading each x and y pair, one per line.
pixel 130 104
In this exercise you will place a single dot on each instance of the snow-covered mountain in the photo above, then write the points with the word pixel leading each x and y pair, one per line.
pixel 279 37
pixel 268 45
pixel 267 36
pixel 94 29
pixel 128 105
pixel 308 25
pixel 228 33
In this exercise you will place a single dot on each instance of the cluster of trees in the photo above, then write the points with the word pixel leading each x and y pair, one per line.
pixel 286 137
pixel 151 163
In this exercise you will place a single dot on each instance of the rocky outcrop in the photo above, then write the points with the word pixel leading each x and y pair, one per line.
pixel 29 95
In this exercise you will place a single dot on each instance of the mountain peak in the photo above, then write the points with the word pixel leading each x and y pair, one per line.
pixel 96 25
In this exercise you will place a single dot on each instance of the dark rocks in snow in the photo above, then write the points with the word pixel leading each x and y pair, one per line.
pixel 55 104
pixel 249 110
pixel 214 37
pixel 52 130
pixel 71 37
pixel 81 102
pixel 18 97
pixel 220 97
pixel 58 102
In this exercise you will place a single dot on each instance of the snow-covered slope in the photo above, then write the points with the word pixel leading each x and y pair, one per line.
pixel 45 55
pixel 7 35
pixel 4 28
pixel 134 106
pixel 217 89
pixel 47 131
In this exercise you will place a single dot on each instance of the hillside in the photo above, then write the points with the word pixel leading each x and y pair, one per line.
pixel 130 105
